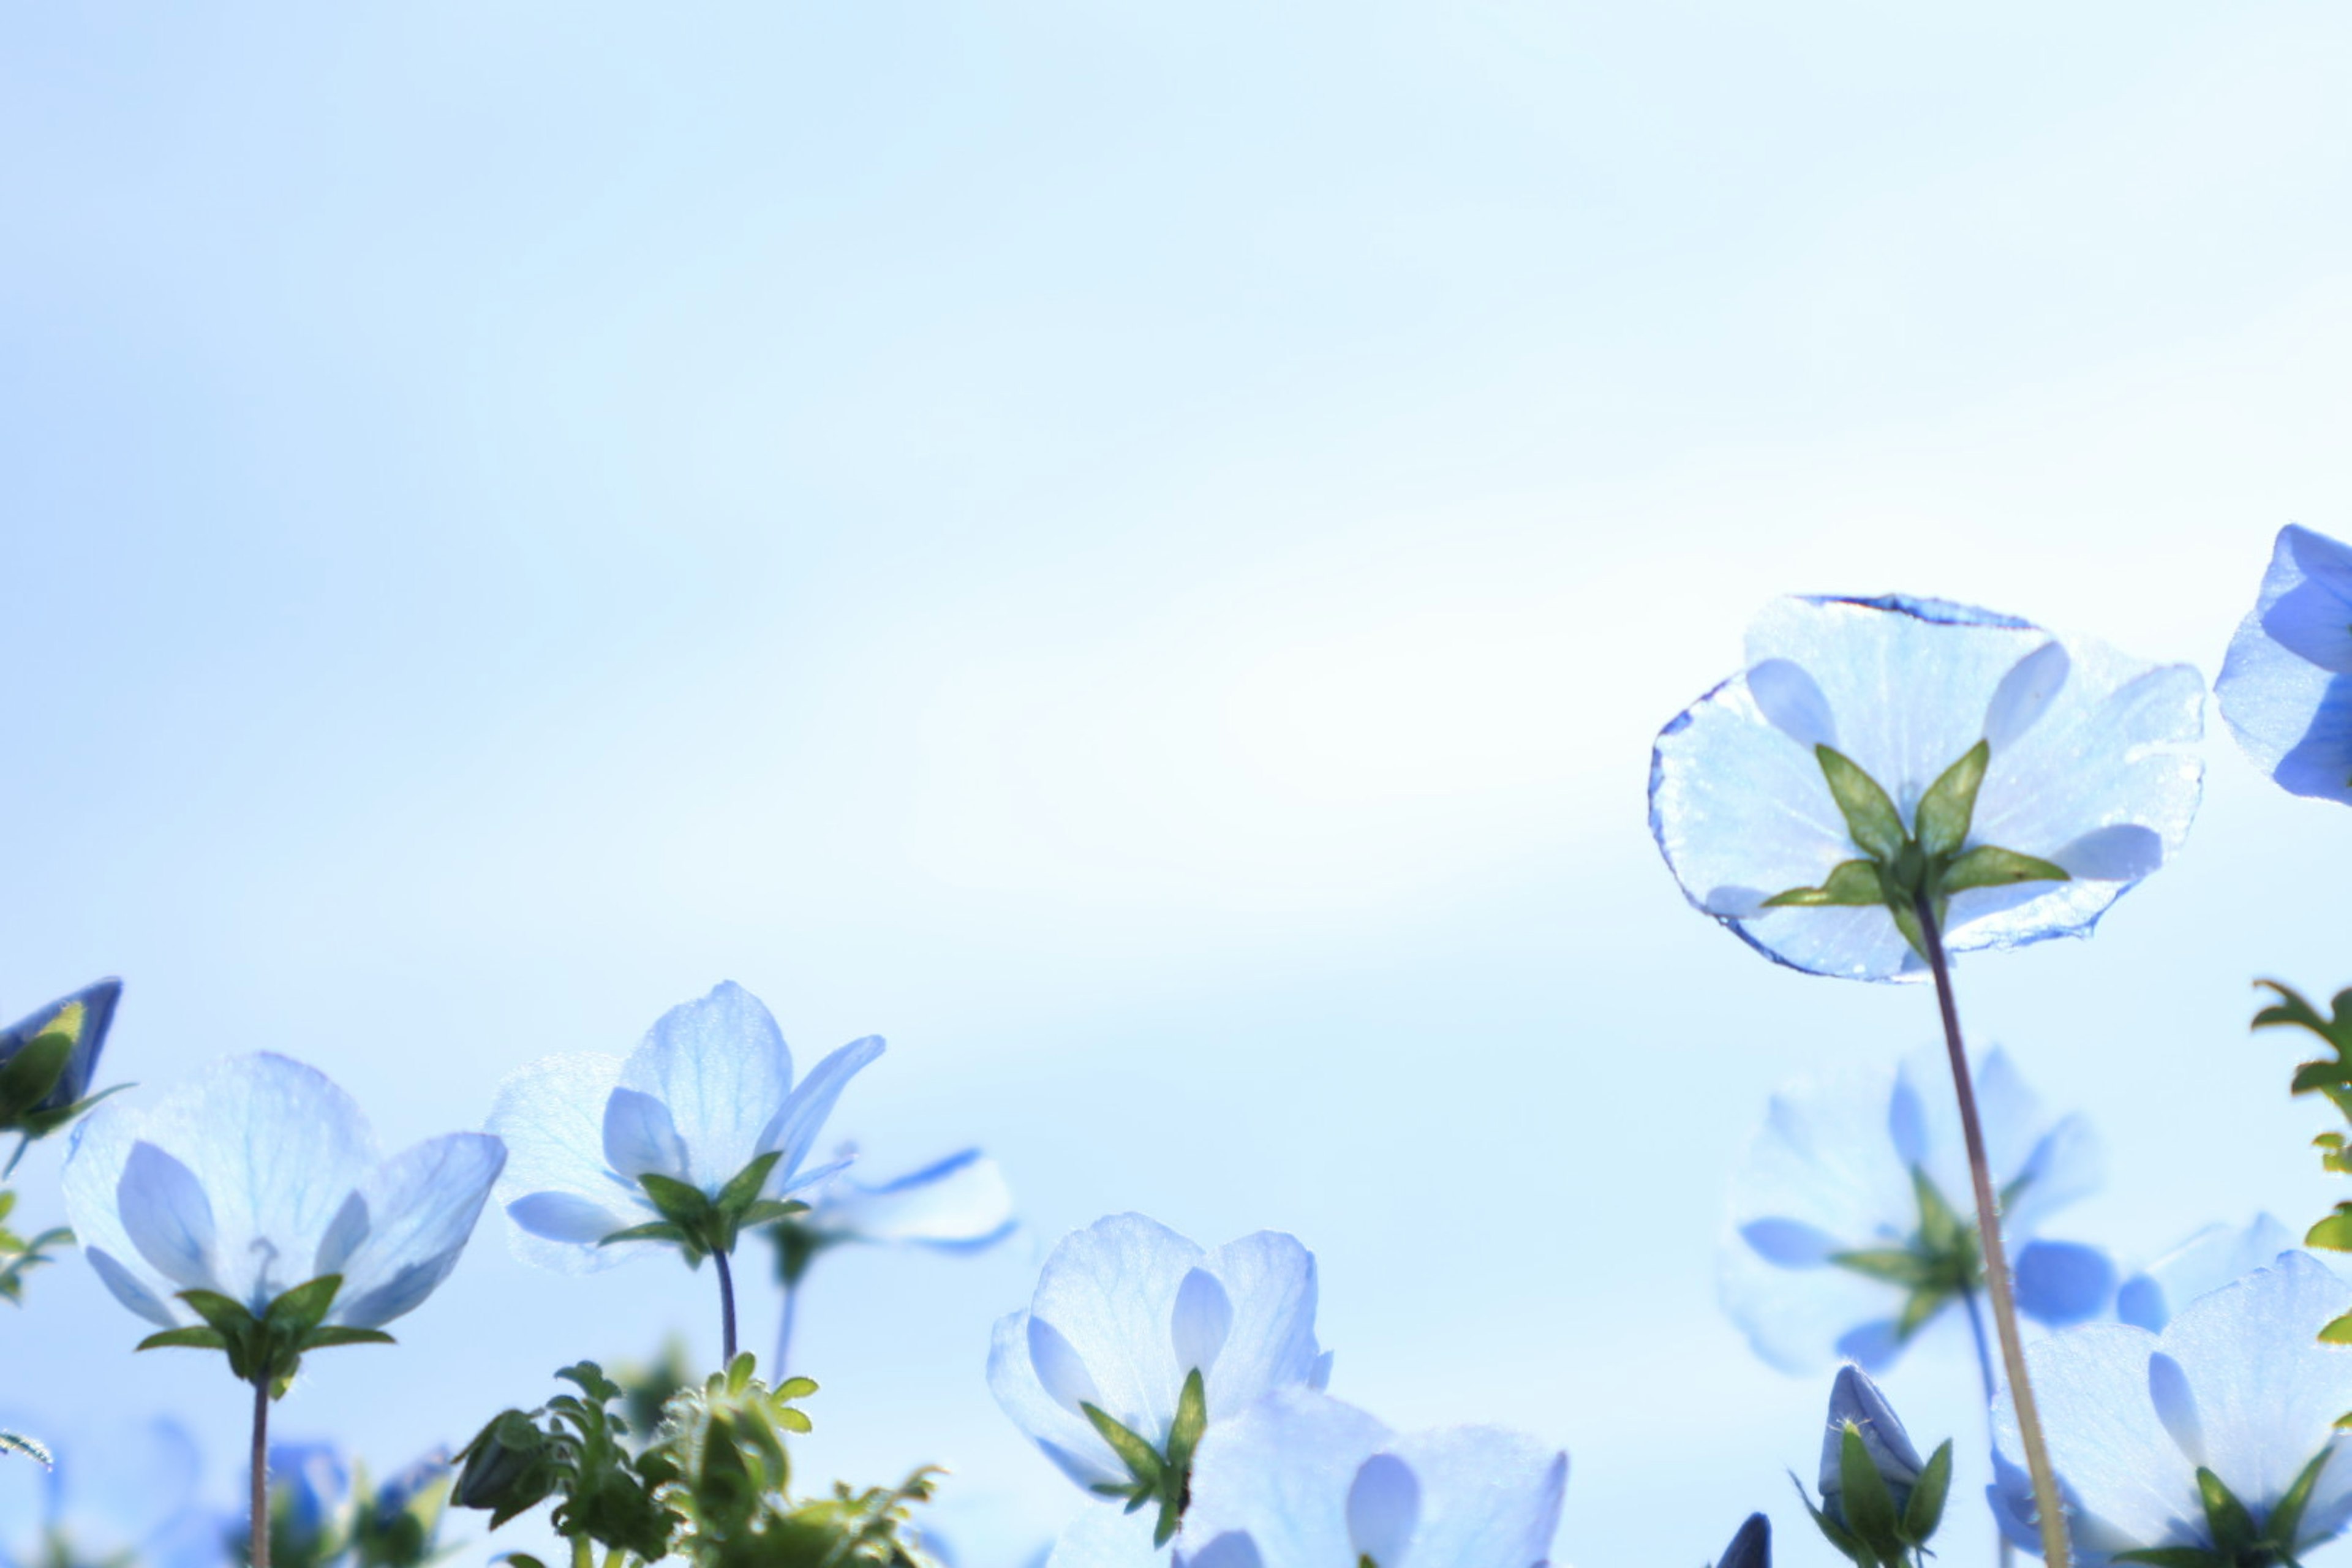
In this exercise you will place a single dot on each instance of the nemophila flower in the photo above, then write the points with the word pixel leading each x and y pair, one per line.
pixel 1876 752
pixel 1847 1237
pixel 1302 1480
pixel 1137 1342
pixel 2213 1443
pixel 1881 1503
pixel 120 1491
pixel 2286 684
pixel 48 1057
pixel 2212 1258
pixel 254 1179
pixel 696 1133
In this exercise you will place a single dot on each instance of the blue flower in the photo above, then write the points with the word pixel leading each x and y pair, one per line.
pixel 707 1092
pixel 960 1204
pixel 1125 1311
pixel 2087 781
pixel 2286 684
pixel 2212 1258
pixel 118 1490
pixel 259 1174
pixel 309 1502
pixel 1849 1235
pixel 2237 1387
pixel 1302 1480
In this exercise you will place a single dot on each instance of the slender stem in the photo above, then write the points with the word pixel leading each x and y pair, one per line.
pixel 785 1334
pixel 259 1521
pixel 725 1311
pixel 1991 1393
pixel 583 1555
pixel 2046 1506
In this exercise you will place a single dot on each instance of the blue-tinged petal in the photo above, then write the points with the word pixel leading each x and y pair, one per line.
pixel 1489 1497
pixel 1108 1536
pixel 1854 1399
pixel 97 1153
pixel 960 1203
pixel 2268 1393
pixel 640 1137
pixel 1384 1509
pixel 276 1147
pixel 2306 599
pixel 2130 1485
pixel 720 1065
pixel 2063 1282
pixel 2025 694
pixel 1203 1320
pixel 2210 1258
pixel 1109 1291
pixel 1790 1243
pixel 2293 717
pixel 1791 702
pixel 1064 1434
pixel 98 1001
pixel 422 1204
pixel 116 1486
pixel 310 1482
pixel 794 1127
pixel 1269 1279
pixel 550 1116
pixel 167 1217
pixel 1278 1475
pixel 1871 1346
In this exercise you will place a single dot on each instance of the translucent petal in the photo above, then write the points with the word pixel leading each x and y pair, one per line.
pixel 1384 1509
pixel 1106 1536
pixel 2025 694
pixel 1489 1497
pixel 550 1116
pixel 960 1203
pixel 1279 1474
pixel 2063 1282
pixel 1202 1320
pixel 2291 717
pixel 798 1121
pixel 640 1137
pixel 720 1065
pixel 2130 1483
pixel 132 1290
pixel 422 1205
pixel 568 1218
pixel 167 1217
pixel 1066 1436
pixel 95 1152
pixel 2210 1258
pixel 1792 703
pixel 1270 1280
pixel 1108 1289
pixel 2306 605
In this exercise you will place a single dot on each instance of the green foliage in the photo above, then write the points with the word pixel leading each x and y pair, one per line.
pixel 19 1256
pixel 2238 1542
pixel 2330 1077
pixel 1940 1262
pixel 269 1348
pixel 30 1447
pixel 1929 861
pixel 396 1531
pixel 711 1487
pixel 698 1224
pixel 1154 1475
pixel 1877 1524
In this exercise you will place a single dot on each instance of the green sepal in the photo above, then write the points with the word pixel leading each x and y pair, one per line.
pixel 743 1190
pixel 1906 920
pixel 1865 1500
pixel 2286 1518
pixel 1925 1511
pixel 1950 803
pixel 1191 1420
pixel 767 1211
pixel 1894 1265
pixel 27 1077
pixel 41 1123
pixel 1836 1534
pixel 1171 1514
pixel 225 1313
pixel 194 1337
pixel 303 1307
pixel 1989 866
pixel 652 1230
pixel 679 1202
pixel 2225 1516
pixel 1871 819
pixel 330 1335
pixel 1141 1460
pixel 1849 883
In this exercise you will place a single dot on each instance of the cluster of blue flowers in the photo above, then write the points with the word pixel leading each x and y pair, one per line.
pixel 1884 785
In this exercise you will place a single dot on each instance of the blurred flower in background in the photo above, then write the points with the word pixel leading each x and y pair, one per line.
pixel 2286 683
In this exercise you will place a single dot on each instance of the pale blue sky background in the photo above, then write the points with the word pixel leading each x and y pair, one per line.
pixel 1136 550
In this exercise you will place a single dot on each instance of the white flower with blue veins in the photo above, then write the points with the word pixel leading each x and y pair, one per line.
pixel 706 1094
pixel 1876 752
pixel 257 1175
pixel 2213 1442
pixel 1137 1341
pixel 1848 1236
pixel 2286 684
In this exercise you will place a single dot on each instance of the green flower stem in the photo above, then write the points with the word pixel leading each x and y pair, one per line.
pixel 1996 1257
pixel 1991 1391
pixel 784 1330
pixel 259 1550
pixel 726 1310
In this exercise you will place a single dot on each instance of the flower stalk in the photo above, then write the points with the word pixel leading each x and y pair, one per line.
pixel 1997 1286
pixel 259 1550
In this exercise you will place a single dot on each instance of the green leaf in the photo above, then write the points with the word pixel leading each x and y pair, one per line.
pixel 767 1211
pixel 222 1312
pixel 1191 1420
pixel 1950 803
pixel 745 1190
pixel 1141 1460
pixel 1906 920
pixel 2333 1232
pixel 1850 882
pixel 796 1388
pixel 27 1077
pixel 192 1337
pixel 1868 1506
pixel 1876 826
pixel 1922 1304
pixel 2225 1516
pixel 1833 1532
pixel 329 1335
pixel 1987 866
pixel 677 1202
pixel 2338 1332
pixel 1925 1511
pixel 2286 1518
pixel 41 1123
pixel 305 1307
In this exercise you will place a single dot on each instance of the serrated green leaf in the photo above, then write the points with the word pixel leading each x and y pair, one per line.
pixel 1950 803
pixel 192 1337
pixel 1142 1461
pixel 1989 866
pixel 1925 1510
pixel 1871 819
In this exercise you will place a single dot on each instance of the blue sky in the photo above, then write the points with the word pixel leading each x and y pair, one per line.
pixel 1137 552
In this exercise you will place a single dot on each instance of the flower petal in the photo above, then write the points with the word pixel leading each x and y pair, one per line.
pixel 2130 1484
pixel 1060 1431
pixel 797 1122
pixel 550 1116
pixel 1278 1475
pixel 1269 1281
pixel 422 1204
pixel 2268 1393
pixel 1489 1497
pixel 2063 1282
pixel 2209 1259
pixel 960 1204
pixel 722 1067
pixel 1109 1291
pixel 1108 1536
pixel 640 1137
pixel 167 1217
pixel 2290 701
